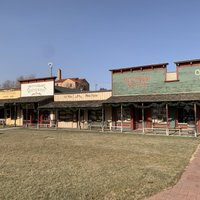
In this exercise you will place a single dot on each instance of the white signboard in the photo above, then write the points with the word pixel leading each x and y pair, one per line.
pixel 37 89
pixel 84 96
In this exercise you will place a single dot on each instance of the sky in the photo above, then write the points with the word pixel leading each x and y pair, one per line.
pixel 87 38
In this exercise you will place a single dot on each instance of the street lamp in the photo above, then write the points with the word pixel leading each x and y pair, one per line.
pixel 50 66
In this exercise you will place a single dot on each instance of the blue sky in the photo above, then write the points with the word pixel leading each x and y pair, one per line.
pixel 86 38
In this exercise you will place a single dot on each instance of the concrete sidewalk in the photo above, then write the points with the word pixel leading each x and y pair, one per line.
pixel 188 187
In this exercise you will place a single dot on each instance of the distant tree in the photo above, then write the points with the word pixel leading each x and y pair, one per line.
pixel 21 78
pixel 103 89
pixel 8 84
pixel 15 84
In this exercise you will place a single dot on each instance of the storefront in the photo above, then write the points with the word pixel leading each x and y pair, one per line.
pixel 144 98
pixel 81 110
pixel 149 98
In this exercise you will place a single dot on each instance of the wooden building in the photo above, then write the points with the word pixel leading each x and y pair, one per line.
pixel 7 106
pixel 19 107
pixel 40 103
pixel 82 110
pixel 145 98
pixel 150 98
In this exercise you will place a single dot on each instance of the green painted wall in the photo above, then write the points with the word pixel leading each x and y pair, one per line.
pixel 153 81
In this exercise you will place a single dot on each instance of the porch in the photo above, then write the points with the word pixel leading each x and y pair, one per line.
pixel 170 114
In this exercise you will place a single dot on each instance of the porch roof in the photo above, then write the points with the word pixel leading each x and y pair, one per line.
pixel 73 104
pixel 154 98
pixel 33 99
pixel 7 101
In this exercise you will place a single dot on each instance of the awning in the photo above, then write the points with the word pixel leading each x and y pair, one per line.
pixel 20 100
pixel 7 101
pixel 33 99
pixel 154 98
pixel 73 104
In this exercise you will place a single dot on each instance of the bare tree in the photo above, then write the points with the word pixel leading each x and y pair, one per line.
pixel 21 78
pixel 8 84
pixel 15 84
pixel 103 89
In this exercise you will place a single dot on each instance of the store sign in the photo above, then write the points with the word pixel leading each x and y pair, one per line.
pixel 37 89
pixel 9 94
pixel 137 81
pixel 83 96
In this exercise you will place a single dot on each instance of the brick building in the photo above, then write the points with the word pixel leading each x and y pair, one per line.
pixel 73 83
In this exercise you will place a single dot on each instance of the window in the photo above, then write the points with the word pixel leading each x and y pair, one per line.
pixel 65 115
pixel 126 116
pixel 95 115
pixel 185 114
pixel 26 114
pixel 46 115
pixel 159 114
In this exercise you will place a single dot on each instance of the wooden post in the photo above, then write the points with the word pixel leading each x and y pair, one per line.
pixel 56 118
pixel 26 115
pixel 38 117
pixel 79 118
pixel 143 118
pixel 167 127
pixel 102 119
pixel 121 118
pixel 15 116
pixel 195 119
pixel 5 116
pixel 31 117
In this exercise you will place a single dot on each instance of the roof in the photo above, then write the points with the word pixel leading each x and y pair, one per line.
pixel 154 98
pixel 10 89
pixel 33 99
pixel 187 62
pixel 140 67
pixel 73 79
pixel 38 79
pixel 74 104
pixel 7 101
pixel 65 90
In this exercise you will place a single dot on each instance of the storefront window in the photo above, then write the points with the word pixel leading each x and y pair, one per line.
pixel 26 114
pixel 46 115
pixel 185 115
pixel 126 116
pixel 159 114
pixel 95 115
pixel 65 115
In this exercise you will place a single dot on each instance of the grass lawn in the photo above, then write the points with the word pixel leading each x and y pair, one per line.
pixel 83 165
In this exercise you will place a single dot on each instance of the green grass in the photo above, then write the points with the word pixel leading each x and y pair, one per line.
pixel 81 165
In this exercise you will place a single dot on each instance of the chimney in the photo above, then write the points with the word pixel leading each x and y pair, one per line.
pixel 59 74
